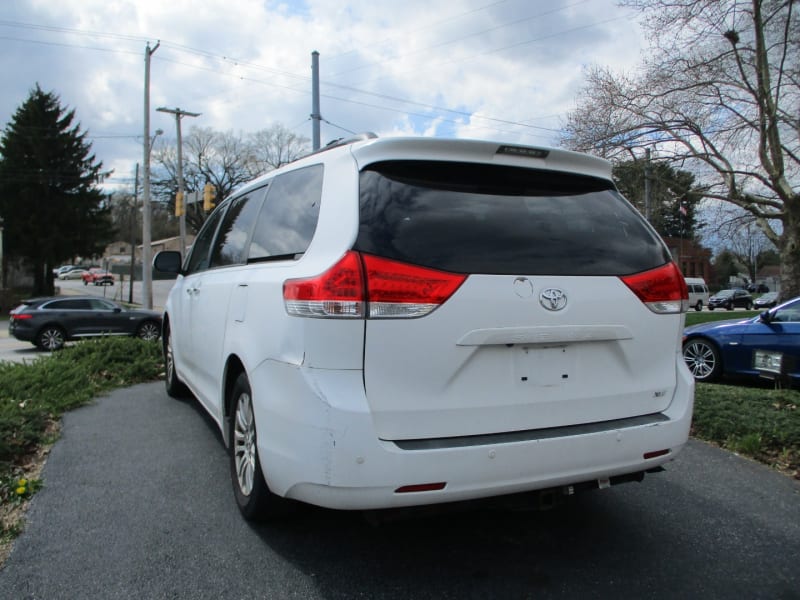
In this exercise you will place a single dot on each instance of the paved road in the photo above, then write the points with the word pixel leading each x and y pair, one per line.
pixel 137 504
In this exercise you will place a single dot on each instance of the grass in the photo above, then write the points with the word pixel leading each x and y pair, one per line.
pixel 693 318
pixel 760 423
pixel 34 396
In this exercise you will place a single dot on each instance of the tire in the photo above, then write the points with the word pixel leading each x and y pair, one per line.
pixel 255 500
pixel 729 306
pixel 85 282
pixel 703 359
pixel 749 306
pixel 711 308
pixel 51 338
pixel 149 331
pixel 699 306
pixel 175 387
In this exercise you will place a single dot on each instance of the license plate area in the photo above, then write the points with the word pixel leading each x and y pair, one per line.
pixel 543 366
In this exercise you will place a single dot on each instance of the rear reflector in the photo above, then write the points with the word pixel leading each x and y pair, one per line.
pixel 656 453
pixel 360 286
pixel 421 487
pixel 663 290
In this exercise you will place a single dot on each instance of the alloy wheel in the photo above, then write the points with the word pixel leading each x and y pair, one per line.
pixel 244 441
pixel 51 339
pixel 701 359
pixel 149 332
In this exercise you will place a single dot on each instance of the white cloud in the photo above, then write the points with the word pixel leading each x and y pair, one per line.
pixel 386 66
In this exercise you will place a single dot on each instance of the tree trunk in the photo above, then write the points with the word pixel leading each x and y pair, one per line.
pixel 790 252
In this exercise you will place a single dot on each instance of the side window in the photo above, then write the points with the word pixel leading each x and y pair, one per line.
pixel 235 229
pixel 98 304
pixel 201 249
pixel 68 305
pixel 788 314
pixel 288 220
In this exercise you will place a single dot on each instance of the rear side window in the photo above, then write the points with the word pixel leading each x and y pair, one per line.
pixel 68 305
pixel 230 246
pixel 475 218
pixel 288 219
pixel 200 256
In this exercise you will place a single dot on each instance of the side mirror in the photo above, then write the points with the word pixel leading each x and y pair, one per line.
pixel 765 317
pixel 168 261
pixel 117 309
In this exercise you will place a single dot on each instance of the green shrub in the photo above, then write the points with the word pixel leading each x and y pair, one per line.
pixel 757 422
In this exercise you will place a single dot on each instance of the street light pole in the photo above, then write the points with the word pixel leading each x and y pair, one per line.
pixel 178 114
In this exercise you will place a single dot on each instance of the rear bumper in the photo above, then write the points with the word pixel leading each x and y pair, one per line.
pixel 317 444
pixel 24 334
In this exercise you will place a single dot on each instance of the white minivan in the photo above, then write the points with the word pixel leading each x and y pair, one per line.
pixel 399 321
pixel 698 292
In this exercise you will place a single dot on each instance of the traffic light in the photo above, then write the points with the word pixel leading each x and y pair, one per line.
pixel 209 194
pixel 179 208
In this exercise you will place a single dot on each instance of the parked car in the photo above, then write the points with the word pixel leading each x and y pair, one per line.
pixel 761 288
pixel 396 322
pixel 698 292
pixel 768 300
pixel 730 299
pixel 74 273
pixel 97 277
pixel 50 322
pixel 62 269
pixel 767 344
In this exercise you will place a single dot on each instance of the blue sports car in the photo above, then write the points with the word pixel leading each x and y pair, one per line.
pixel 767 345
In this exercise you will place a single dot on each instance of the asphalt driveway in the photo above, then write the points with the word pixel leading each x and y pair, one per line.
pixel 137 504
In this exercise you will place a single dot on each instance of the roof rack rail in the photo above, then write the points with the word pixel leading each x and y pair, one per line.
pixel 359 137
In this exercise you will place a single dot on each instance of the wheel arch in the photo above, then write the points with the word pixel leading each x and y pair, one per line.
pixel 55 324
pixel 233 368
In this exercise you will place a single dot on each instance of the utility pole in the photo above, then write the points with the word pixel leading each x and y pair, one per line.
pixel 647 175
pixel 133 229
pixel 316 117
pixel 178 114
pixel 147 274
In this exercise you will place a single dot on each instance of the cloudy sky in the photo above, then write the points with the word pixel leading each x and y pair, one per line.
pixel 506 70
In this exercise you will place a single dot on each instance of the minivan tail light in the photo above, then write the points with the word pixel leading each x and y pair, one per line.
pixel 396 289
pixel 362 285
pixel 338 292
pixel 663 290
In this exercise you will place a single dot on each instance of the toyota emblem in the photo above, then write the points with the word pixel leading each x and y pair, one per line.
pixel 553 299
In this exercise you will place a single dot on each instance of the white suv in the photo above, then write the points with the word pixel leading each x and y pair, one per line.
pixel 396 322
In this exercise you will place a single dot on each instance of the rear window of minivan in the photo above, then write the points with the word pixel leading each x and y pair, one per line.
pixel 477 218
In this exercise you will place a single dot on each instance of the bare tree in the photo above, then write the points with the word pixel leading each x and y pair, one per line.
pixel 720 94
pixel 220 158
pixel 276 146
pixel 738 231
pixel 225 159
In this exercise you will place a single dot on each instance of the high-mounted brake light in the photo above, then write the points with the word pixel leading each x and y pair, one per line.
pixel 663 290
pixel 360 286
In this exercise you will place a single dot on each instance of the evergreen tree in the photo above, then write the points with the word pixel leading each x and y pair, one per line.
pixel 49 199
pixel 673 196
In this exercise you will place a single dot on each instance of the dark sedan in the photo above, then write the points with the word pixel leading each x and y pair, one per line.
pixel 50 322
pixel 767 345
pixel 768 300
pixel 730 299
